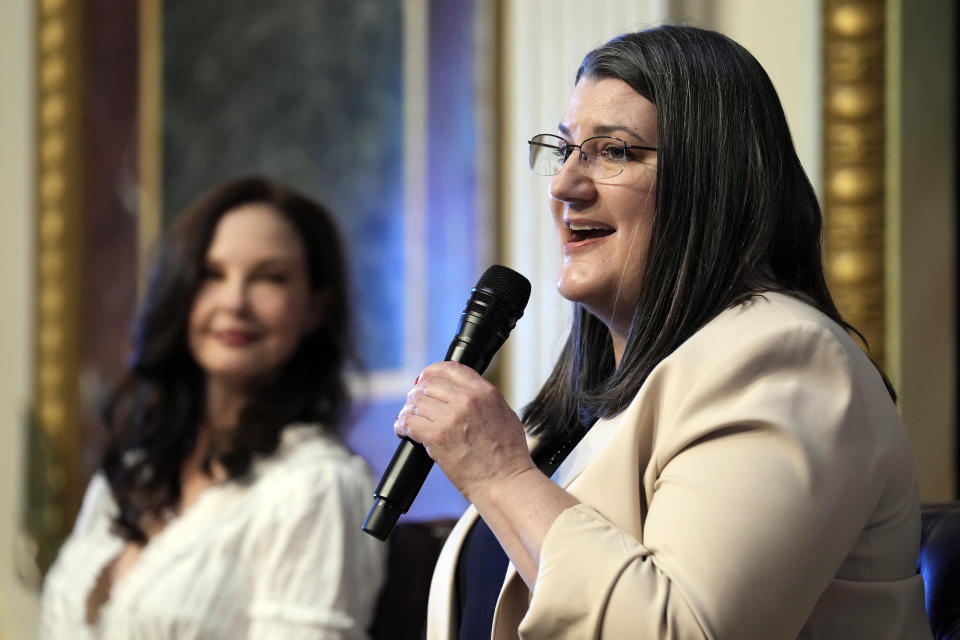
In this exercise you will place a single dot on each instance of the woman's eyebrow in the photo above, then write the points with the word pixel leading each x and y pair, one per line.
pixel 274 262
pixel 609 129
pixel 263 262
pixel 606 130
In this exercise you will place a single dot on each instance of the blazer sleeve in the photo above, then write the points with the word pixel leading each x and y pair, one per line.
pixel 762 477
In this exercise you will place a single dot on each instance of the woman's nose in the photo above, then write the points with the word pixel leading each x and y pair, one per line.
pixel 233 294
pixel 572 184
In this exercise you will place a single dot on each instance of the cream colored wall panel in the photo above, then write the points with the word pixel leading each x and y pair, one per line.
pixel 785 38
pixel 923 215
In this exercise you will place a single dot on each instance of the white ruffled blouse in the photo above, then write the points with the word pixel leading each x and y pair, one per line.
pixel 278 555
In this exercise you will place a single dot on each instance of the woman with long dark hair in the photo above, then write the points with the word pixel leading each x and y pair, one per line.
pixel 726 461
pixel 226 505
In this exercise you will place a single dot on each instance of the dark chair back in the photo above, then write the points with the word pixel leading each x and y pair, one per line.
pixel 939 564
pixel 402 607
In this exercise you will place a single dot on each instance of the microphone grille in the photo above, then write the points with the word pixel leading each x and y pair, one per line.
pixel 507 284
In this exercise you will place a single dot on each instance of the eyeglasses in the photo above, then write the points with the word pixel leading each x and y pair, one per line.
pixel 600 156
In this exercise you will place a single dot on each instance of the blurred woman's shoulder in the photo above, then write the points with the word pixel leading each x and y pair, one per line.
pixel 311 459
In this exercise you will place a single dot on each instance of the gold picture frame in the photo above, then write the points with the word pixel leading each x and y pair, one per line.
pixel 54 423
pixel 854 168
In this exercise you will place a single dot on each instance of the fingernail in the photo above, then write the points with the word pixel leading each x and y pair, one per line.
pixel 416 381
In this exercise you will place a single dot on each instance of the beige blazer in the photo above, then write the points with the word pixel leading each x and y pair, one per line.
pixel 760 485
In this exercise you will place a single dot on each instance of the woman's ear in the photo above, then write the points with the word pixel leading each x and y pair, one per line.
pixel 317 313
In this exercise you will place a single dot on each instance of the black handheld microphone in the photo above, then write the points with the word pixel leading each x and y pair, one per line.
pixel 495 305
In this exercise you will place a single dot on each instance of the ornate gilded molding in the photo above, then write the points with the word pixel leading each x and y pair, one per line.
pixel 853 130
pixel 150 101
pixel 52 494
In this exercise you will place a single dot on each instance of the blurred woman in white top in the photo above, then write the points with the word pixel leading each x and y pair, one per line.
pixel 226 504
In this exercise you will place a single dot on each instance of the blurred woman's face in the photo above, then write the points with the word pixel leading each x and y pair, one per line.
pixel 255 302
pixel 604 223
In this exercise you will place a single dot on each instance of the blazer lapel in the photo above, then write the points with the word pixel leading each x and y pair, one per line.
pixel 511 606
pixel 441 606
pixel 593 442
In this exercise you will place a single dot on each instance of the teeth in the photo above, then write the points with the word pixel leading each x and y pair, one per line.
pixel 580 226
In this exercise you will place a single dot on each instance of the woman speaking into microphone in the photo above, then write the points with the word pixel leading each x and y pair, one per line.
pixel 713 456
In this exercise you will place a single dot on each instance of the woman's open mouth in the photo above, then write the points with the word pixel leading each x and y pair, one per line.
pixel 582 233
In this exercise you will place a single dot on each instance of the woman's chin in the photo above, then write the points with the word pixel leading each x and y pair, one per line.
pixel 236 377
pixel 576 288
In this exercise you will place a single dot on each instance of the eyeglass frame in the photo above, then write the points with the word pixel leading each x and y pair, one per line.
pixel 570 146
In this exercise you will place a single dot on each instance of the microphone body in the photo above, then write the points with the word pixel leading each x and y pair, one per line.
pixel 495 305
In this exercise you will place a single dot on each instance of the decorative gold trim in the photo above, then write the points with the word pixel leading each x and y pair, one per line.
pixel 55 425
pixel 893 327
pixel 853 130
pixel 151 138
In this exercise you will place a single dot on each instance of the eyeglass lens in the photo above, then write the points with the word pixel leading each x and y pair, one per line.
pixel 600 157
